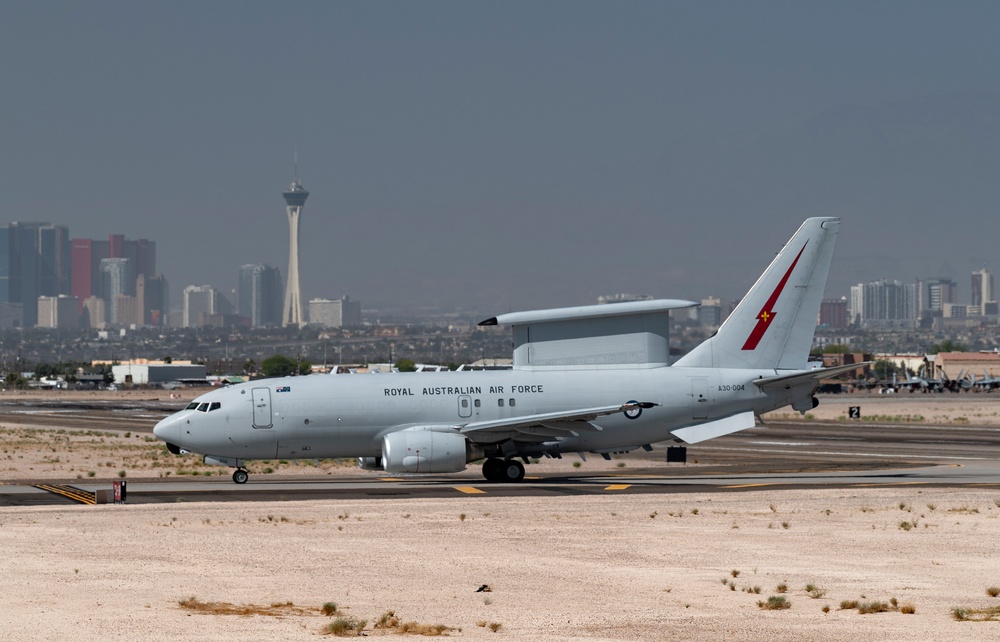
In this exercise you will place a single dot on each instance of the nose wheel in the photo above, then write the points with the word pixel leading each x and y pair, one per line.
pixel 241 476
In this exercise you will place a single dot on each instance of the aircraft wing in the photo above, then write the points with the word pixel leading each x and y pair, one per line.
pixel 546 426
pixel 800 378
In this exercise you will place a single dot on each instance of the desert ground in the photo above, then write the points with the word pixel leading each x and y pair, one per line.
pixel 609 567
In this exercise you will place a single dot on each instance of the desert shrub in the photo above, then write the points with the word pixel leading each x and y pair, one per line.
pixel 775 603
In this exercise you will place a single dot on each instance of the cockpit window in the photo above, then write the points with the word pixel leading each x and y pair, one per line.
pixel 203 407
pixel 215 406
pixel 192 406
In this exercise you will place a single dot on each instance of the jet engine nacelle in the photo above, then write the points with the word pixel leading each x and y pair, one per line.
pixel 424 451
pixel 370 463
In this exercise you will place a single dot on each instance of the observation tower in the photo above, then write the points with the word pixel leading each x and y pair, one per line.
pixel 295 200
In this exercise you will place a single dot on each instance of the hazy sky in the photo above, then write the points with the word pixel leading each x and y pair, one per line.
pixel 509 155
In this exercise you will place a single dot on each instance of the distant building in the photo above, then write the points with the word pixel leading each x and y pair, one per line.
pixel 955 311
pixel 11 314
pixel 117 281
pixel 259 295
pixel 142 374
pixel 982 287
pixel 126 311
pixel 884 304
pixel 199 302
pixel 833 313
pixel 95 313
pixel 34 262
pixel 151 300
pixel 710 312
pixel 932 294
pixel 335 313
pixel 87 254
pixel 58 312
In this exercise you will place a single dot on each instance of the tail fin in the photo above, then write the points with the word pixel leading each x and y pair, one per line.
pixel 773 325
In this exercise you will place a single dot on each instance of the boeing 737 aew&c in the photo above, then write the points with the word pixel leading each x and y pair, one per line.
pixel 585 379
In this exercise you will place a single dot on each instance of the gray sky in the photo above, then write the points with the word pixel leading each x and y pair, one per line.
pixel 505 156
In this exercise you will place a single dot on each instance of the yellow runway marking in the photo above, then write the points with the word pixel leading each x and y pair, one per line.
pixel 70 492
pixel 618 486
pixel 747 485
pixel 390 479
pixel 470 490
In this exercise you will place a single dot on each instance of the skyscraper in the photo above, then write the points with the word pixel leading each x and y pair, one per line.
pixel 258 294
pixel 36 257
pixel 118 281
pixel 982 287
pixel 199 301
pixel 295 200
pixel 87 255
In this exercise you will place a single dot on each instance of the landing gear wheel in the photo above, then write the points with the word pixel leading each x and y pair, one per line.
pixel 513 471
pixel 241 476
pixel 493 469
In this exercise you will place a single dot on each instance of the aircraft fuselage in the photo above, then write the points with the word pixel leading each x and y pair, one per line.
pixel 322 416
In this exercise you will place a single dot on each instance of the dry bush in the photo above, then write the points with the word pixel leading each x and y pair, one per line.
pixel 908 608
pixel 993 591
pixel 989 614
pixel 775 603
pixel 387 620
pixel 345 626
pixel 416 628
pixel 225 608
pixel 873 606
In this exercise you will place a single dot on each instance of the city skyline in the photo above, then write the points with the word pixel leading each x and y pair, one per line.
pixel 514 156
pixel 120 267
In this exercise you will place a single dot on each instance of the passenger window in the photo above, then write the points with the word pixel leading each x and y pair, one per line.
pixel 465 403
pixel 476 403
pixel 215 406
pixel 511 403
pixel 192 406
pixel 203 407
pixel 500 402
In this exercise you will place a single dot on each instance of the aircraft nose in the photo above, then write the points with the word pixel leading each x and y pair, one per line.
pixel 168 430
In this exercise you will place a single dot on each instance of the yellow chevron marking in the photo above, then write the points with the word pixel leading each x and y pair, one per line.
pixel 69 492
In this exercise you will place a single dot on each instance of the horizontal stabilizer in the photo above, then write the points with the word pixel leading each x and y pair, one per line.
pixel 717 428
pixel 811 376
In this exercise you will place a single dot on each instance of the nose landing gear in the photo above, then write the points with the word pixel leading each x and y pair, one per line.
pixel 241 476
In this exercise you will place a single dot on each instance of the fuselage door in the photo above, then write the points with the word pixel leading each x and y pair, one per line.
pixel 699 398
pixel 262 408
pixel 465 406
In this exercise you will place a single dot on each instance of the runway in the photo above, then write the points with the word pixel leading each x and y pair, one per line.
pixel 782 455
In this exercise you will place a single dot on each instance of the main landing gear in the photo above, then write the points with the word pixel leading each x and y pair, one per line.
pixel 241 476
pixel 503 470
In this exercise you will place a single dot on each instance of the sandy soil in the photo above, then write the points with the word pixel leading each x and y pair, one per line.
pixel 638 567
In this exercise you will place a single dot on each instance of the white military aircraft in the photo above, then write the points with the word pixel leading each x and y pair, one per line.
pixel 586 379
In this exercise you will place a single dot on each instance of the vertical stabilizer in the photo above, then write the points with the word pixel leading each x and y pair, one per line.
pixel 773 325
